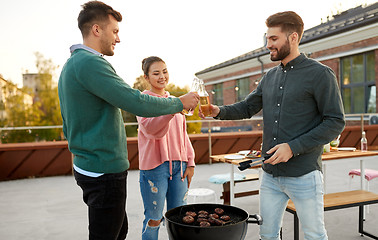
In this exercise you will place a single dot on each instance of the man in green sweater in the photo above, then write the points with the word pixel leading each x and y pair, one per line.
pixel 91 95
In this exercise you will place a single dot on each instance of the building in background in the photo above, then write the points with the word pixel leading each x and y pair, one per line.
pixel 31 81
pixel 36 83
pixel 347 43
pixel 8 89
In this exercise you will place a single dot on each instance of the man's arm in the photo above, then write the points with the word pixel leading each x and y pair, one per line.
pixel 189 100
pixel 102 80
pixel 251 105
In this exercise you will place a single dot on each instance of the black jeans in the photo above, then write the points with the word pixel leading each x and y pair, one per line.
pixel 105 197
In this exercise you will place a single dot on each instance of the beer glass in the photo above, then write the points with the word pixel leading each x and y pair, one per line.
pixel 204 99
pixel 194 88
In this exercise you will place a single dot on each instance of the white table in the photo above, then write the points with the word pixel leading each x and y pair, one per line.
pixel 342 155
pixel 221 158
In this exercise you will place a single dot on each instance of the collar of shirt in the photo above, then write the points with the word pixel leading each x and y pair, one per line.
pixel 82 46
pixel 293 62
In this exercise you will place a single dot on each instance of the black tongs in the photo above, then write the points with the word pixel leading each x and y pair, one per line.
pixel 253 162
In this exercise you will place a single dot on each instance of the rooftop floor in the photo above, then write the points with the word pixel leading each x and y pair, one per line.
pixel 52 208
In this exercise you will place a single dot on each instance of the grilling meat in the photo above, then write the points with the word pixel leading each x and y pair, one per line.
pixel 188 219
pixel 212 220
pixel 225 218
pixel 219 211
pixel 204 219
pixel 203 212
pixel 190 213
pixel 201 219
pixel 204 224
pixel 218 222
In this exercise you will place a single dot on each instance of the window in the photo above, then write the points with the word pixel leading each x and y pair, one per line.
pixel 242 89
pixel 218 94
pixel 358 88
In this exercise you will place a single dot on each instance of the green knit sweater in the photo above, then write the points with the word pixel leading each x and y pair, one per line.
pixel 91 95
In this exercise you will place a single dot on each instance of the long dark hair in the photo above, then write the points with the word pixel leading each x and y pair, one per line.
pixel 147 62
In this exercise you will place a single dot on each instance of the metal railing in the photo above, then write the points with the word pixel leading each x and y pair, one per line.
pixel 209 121
pixel 349 117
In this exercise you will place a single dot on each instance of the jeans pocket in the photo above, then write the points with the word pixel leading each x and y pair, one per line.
pixel 304 187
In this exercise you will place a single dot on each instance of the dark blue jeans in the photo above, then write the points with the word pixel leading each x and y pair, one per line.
pixel 105 197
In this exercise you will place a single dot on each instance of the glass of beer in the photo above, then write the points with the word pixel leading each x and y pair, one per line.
pixel 195 87
pixel 204 100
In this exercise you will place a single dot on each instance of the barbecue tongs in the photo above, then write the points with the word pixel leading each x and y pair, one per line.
pixel 253 162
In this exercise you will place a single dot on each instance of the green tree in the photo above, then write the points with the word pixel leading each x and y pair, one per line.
pixel 48 98
pixel 141 84
pixel 132 131
pixel 19 112
pixel 44 111
pixel 176 90
pixel 194 127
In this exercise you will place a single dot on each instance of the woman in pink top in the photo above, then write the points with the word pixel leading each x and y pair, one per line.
pixel 166 155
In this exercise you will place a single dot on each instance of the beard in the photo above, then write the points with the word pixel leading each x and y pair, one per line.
pixel 106 48
pixel 282 53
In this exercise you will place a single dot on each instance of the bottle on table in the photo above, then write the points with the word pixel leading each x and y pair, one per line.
pixel 363 142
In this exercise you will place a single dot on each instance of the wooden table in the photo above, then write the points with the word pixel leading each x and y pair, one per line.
pixel 333 155
pixel 221 158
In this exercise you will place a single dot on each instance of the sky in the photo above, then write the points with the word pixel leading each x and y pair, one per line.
pixel 189 36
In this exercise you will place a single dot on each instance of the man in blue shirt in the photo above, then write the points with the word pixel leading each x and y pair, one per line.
pixel 302 111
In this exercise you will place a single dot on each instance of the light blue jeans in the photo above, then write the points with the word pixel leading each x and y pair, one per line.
pixel 155 187
pixel 305 191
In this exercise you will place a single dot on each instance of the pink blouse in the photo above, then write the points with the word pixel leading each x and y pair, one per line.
pixel 163 138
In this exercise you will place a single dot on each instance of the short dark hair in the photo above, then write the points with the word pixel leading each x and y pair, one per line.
pixel 147 62
pixel 95 12
pixel 289 22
